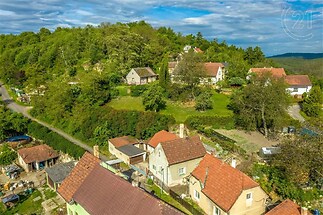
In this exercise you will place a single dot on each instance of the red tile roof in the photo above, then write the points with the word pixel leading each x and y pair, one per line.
pixel 103 192
pixel 37 153
pixel 161 136
pixel 198 50
pixel 212 68
pixel 74 180
pixel 122 141
pixel 275 72
pixel 224 183
pixel 183 149
pixel 287 207
pixel 298 80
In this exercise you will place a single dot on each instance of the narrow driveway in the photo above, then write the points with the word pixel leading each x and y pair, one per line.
pixel 24 111
pixel 294 110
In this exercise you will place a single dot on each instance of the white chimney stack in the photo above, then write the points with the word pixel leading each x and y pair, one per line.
pixel 96 152
pixel 304 211
pixel 233 163
pixel 181 130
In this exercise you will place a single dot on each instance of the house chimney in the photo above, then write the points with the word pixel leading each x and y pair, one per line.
pixel 181 130
pixel 96 152
pixel 206 174
pixel 233 163
pixel 304 211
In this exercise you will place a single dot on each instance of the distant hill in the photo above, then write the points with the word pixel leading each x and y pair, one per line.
pixel 299 55
pixel 297 65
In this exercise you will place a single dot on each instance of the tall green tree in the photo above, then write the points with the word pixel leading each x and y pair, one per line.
pixel 164 78
pixel 153 98
pixel 313 102
pixel 203 101
pixel 261 104
pixel 302 159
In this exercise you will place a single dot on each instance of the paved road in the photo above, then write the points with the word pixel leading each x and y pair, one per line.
pixel 24 111
pixel 293 111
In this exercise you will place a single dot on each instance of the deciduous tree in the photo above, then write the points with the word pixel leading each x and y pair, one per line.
pixel 153 98
pixel 261 104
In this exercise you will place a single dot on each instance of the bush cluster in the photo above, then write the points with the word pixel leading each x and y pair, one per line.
pixel 138 90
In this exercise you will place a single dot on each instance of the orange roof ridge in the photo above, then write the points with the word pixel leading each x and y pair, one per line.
pixel 286 207
pixel 161 136
pixel 78 174
pixel 224 183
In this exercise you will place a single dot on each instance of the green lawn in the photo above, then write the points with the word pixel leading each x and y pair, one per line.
pixel 178 110
pixel 26 205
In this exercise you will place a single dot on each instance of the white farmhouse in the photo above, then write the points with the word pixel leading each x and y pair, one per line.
pixel 298 84
pixel 142 75
pixel 172 161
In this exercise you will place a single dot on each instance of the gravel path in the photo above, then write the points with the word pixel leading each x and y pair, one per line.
pixel 24 111
pixel 294 110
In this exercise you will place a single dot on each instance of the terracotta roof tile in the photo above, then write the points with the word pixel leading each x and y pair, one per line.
pixel 161 136
pixel 103 192
pixel 224 183
pixel 298 80
pixel 198 50
pixel 287 207
pixel 122 141
pixel 74 180
pixel 275 72
pixel 37 153
pixel 183 149
pixel 212 68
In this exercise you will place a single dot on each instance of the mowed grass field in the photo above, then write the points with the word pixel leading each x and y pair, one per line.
pixel 178 110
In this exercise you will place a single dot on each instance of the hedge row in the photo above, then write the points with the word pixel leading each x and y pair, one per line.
pixel 54 140
pixel 217 122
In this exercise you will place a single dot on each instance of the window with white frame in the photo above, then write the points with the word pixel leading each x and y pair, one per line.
pixel 216 211
pixel 196 195
pixel 249 196
pixel 154 167
pixel 181 171
pixel 249 199
pixel 295 89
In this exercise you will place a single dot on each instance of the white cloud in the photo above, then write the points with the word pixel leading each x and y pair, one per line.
pixel 246 23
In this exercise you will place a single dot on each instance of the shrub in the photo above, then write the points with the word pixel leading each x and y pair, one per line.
pixel 203 101
pixel 7 155
pixel 138 90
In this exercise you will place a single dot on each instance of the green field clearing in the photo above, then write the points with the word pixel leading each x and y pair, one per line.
pixel 176 109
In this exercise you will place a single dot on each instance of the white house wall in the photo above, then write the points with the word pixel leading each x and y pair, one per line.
pixel 133 77
pixel 300 90
pixel 160 162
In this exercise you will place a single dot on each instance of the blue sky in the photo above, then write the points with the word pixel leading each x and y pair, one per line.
pixel 277 26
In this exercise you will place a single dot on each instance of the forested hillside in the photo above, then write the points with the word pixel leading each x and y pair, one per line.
pixel 72 73
pixel 293 65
